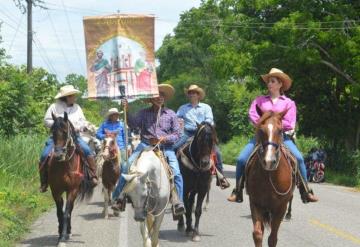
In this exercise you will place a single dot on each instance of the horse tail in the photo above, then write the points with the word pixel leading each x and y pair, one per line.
pixel 86 189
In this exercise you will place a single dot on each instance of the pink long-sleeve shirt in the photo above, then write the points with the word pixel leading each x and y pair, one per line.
pixel 283 103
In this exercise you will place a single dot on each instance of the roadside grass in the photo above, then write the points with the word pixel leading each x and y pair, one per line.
pixel 20 201
pixel 342 179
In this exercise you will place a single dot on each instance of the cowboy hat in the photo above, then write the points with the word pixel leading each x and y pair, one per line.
pixel 285 79
pixel 167 90
pixel 197 89
pixel 113 111
pixel 66 91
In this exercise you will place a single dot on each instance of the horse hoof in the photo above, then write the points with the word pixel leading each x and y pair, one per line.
pixel 61 244
pixel 189 233
pixel 68 236
pixel 288 217
pixel 181 228
pixel 116 213
pixel 196 238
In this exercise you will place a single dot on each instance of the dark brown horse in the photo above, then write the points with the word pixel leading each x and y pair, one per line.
pixel 270 179
pixel 195 168
pixel 67 173
pixel 109 168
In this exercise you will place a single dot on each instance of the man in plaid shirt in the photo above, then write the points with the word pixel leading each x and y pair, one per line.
pixel 158 125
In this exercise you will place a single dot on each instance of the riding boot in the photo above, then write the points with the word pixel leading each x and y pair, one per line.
pixel 307 194
pixel 221 180
pixel 179 208
pixel 43 177
pixel 92 170
pixel 237 193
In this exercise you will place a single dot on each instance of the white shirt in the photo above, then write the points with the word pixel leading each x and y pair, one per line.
pixel 75 114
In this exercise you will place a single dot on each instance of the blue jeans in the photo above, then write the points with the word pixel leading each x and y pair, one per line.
pixel 173 162
pixel 50 144
pixel 249 148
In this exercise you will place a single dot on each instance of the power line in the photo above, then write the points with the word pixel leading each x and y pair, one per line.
pixel 16 32
pixel 58 40
pixel 72 36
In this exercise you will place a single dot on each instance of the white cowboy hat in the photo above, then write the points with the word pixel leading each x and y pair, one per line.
pixel 197 89
pixel 285 79
pixel 167 90
pixel 113 111
pixel 66 91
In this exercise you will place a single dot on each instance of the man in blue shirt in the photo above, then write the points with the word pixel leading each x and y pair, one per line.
pixel 112 124
pixel 192 114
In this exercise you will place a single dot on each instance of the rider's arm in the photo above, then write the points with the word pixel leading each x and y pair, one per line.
pixel 209 117
pixel 100 133
pixel 289 119
pixel 175 134
pixel 253 115
pixel 48 120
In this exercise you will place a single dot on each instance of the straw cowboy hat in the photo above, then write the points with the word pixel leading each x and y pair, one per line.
pixel 285 79
pixel 197 89
pixel 66 91
pixel 113 111
pixel 167 90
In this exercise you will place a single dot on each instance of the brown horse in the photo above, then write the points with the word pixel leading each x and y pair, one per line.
pixel 109 168
pixel 67 173
pixel 270 180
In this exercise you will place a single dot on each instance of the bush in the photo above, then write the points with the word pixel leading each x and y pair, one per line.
pixel 305 144
pixel 230 150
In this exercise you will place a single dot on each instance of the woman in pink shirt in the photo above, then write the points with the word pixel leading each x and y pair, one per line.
pixel 277 83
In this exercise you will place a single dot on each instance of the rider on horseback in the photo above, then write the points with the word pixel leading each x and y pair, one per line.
pixel 65 102
pixel 277 83
pixel 192 114
pixel 158 125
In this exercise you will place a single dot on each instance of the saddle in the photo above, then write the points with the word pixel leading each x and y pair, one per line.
pixel 291 160
pixel 190 163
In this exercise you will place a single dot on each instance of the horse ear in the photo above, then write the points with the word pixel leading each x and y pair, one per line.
pixel 259 111
pixel 65 116
pixel 197 125
pixel 53 116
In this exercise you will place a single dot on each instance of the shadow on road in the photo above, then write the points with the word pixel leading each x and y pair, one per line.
pixel 50 240
pixel 93 216
pixel 177 237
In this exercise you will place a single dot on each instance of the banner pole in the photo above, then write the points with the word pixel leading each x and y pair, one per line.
pixel 123 96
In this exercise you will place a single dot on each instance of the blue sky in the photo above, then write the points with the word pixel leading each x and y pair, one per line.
pixel 60 47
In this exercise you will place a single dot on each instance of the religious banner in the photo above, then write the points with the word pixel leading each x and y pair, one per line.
pixel 120 51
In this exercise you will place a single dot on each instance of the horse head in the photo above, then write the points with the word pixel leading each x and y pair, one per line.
pixel 203 143
pixel 63 136
pixel 269 136
pixel 109 148
pixel 138 189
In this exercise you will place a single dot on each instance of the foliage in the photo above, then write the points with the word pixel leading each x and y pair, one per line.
pixel 231 150
pixel 24 99
pixel 20 202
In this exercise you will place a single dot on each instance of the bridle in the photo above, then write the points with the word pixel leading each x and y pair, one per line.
pixel 69 143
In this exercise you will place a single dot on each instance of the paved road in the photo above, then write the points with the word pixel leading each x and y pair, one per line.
pixel 332 222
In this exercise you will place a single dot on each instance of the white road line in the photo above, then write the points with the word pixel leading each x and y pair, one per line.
pixel 123 229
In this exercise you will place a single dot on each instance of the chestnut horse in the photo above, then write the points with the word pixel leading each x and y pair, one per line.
pixel 109 168
pixel 67 173
pixel 195 168
pixel 270 179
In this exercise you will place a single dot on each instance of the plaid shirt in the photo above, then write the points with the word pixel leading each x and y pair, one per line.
pixel 167 126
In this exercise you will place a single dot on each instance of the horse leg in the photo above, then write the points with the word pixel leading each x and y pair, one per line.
pixel 145 234
pixel 181 225
pixel 206 207
pixel 258 224
pixel 67 218
pixel 189 201
pixel 275 224
pixel 156 230
pixel 106 202
pixel 288 215
pixel 198 211
pixel 59 212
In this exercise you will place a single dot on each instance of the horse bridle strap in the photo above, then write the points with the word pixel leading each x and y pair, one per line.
pixel 271 144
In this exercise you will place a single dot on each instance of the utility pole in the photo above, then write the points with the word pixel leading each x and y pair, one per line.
pixel 29 36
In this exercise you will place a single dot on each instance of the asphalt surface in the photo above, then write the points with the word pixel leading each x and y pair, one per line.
pixel 333 221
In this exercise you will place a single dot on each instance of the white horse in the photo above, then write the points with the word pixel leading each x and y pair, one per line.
pixel 148 187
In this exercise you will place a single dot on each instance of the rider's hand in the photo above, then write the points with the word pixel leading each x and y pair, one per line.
pixel 125 104
pixel 162 139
